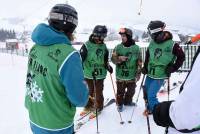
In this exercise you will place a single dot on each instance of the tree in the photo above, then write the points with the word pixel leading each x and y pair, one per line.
pixel 7 34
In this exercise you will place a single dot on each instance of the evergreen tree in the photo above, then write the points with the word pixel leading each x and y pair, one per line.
pixel 7 34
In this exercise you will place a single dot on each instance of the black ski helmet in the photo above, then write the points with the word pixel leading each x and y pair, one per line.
pixel 155 27
pixel 126 31
pixel 100 31
pixel 63 17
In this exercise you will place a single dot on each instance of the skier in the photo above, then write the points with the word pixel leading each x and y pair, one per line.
pixel 163 57
pixel 55 83
pixel 94 55
pixel 183 114
pixel 127 58
pixel 194 39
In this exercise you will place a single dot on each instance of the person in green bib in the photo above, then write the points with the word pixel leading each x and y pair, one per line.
pixel 127 58
pixel 163 57
pixel 55 84
pixel 94 55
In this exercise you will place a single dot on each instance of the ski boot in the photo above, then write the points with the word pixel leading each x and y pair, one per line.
pixel 120 108
pixel 130 103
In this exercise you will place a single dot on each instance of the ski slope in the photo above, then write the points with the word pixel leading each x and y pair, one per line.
pixel 14 117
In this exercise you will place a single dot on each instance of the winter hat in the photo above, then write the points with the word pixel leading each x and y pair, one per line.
pixel 128 32
pixel 155 28
pixel 100 31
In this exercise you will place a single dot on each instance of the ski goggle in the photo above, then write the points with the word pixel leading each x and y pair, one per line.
pixel 154 30
pixel 100 36
pixel 122 30
pixel 63 17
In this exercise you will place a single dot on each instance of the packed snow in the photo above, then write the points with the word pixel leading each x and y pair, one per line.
pixel 14 116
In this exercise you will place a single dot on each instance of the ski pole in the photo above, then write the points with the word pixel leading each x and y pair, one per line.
pixel 146 103
pixel 121 122
pixel 130 121
pixel 148 124
pixel 168 93
pixel 95 95
pixel 168 88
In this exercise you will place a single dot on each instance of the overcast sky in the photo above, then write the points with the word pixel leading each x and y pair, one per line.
pixel 109 12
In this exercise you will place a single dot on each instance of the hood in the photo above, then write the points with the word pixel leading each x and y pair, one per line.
pixel 46 35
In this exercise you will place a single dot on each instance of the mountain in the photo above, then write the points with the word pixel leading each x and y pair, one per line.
pixel 20 25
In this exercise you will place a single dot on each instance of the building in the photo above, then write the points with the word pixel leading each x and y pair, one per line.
pixel 12 44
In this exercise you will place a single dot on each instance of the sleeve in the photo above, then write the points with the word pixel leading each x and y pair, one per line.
pixel 114 57
pixel 139 60
pixel 72 77
pixel 185 111
pixel 146 61
pixel 180 57
pixel 106 56
pixel 83 52
pixel 161 114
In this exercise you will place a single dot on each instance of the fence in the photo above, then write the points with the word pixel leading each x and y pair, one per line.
pixel 20 52
pixel 189 54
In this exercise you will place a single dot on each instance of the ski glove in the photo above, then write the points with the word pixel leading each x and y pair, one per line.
pixel 121 59
pixel 170 69
pixel 144 70
pixel 110 69
pixel 161 114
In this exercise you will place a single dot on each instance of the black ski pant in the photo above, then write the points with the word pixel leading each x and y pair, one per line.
pixel 99 94
pixel 125 96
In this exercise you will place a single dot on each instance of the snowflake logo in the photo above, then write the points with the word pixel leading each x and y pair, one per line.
pixel 36 93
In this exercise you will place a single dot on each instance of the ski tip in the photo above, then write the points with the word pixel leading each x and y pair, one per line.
pixel 129 121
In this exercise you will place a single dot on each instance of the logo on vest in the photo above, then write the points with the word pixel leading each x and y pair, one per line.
pixel 33 90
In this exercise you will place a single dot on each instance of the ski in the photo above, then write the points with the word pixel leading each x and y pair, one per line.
pixel 83 121
pixel 88 112
pixel 175 85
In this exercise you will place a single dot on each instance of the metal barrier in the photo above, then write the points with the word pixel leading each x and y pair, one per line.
pixel 188 50
pixel 189 54
pixel 20 52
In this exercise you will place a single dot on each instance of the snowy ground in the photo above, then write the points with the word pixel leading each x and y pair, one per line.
pixel 14 117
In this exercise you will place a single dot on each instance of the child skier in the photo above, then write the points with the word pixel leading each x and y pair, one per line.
pixel 127 58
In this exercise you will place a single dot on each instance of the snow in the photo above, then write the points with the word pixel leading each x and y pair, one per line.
pixel 14 116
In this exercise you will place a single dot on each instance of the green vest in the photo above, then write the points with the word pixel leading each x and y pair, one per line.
pixel 127 70
pixel 46 98
pixel 160 56
pixel 95 60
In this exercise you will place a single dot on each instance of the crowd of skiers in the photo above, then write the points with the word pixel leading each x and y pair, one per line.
pixel 59 78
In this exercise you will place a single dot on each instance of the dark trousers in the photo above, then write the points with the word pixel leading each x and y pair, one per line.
pixel 125 96
pixel 99 94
